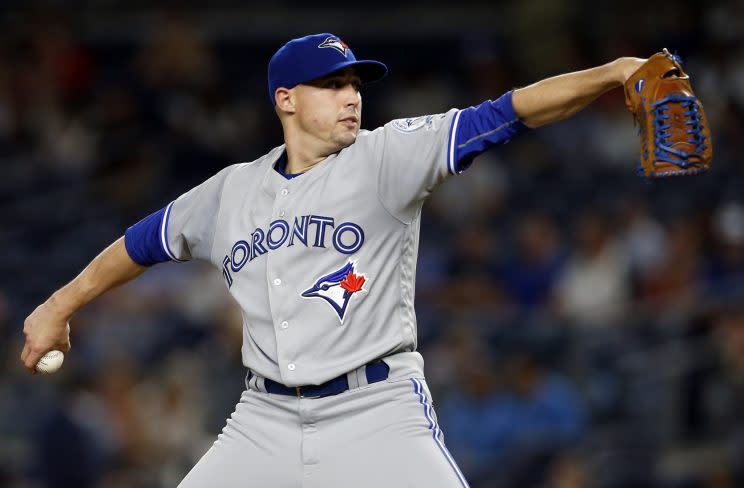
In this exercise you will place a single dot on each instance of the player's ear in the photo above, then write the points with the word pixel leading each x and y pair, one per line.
pixel 284 100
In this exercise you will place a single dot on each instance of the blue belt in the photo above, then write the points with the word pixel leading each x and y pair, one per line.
pixel 376 371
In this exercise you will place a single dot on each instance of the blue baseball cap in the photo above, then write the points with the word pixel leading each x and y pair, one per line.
pixel 314 56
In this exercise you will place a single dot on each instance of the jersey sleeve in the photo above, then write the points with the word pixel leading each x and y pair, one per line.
pixel 419 153
pixel 181 231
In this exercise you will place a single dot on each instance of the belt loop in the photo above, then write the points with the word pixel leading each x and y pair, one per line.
pixel 361 373
pixel 256 382
pixel 353 378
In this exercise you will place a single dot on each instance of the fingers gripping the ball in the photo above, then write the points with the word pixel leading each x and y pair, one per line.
pixel 43 360
pixel 44 334
pixel 50 362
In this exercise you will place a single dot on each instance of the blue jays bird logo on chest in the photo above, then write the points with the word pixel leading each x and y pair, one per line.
pixel 337 288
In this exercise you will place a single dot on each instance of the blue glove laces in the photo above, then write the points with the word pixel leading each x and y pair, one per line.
pixel 664 152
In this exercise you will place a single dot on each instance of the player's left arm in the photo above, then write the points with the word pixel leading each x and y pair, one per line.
pixel 560 97
pixel 419 153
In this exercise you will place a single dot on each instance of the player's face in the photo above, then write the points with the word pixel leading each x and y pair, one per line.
pixel 330 108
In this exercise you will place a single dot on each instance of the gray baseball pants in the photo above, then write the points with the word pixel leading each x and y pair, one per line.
pixel 382 435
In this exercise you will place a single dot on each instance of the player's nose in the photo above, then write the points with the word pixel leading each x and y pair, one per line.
pixel 350 95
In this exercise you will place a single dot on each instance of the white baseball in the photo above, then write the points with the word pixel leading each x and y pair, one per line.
pixel 50 362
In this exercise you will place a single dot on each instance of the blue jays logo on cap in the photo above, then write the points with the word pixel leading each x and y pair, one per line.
pixel 337 44
pixel 336 288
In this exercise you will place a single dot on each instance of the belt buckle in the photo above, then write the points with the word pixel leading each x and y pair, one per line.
pixel 300 394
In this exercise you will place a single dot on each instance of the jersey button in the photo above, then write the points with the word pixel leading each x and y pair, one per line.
pixel 285 324
pixel 277 281
pixel 281 213
pixel 284 192
pixel 291 366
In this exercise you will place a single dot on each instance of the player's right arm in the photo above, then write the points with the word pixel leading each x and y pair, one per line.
pixel 181 231
pixel 48 328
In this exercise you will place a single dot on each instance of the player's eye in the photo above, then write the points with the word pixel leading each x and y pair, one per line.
pixel 335 84
pixel 339 84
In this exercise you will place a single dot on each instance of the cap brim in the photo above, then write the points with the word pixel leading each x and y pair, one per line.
pixel 368 70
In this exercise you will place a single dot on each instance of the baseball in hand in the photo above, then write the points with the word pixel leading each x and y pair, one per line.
pixel 50 362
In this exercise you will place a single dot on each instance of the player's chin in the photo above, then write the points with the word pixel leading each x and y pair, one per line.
pixel 346 137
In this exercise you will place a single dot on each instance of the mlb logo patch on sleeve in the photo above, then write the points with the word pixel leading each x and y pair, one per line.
pixel 412 124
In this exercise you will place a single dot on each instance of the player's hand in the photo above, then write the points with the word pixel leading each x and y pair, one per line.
pixel 625 67
pixel 45 329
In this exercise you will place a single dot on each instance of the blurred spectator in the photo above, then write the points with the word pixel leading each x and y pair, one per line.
pixel 643 239
pixel 472 270
pixel 178 56
pixel 529 277
pixel 726 393
pixel 68 451
pixel 567 471
pixel 594 288
pixel 725 273
pixel 676 280
pixel 503 419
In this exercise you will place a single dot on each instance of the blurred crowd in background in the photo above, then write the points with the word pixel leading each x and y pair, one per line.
pixel 581 327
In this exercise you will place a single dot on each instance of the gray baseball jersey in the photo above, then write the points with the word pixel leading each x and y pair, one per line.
pixel 322 265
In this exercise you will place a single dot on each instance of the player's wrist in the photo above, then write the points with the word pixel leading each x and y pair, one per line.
pixel 60 306
pixel 623 68
pixel 616 71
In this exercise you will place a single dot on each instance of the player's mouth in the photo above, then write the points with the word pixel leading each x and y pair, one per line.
pixel 350 121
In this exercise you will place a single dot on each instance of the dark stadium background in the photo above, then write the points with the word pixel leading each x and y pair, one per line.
pixel 581 328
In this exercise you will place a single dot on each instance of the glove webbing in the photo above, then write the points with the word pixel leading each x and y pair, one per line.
pixel 665 153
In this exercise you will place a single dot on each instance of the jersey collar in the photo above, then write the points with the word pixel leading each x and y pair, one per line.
pixel 281 167
pixel 274 181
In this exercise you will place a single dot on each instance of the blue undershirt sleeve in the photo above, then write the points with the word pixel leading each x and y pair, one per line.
pixel 478 128
pixel 144 241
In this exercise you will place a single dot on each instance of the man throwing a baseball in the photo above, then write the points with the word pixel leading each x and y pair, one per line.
pixel 317 242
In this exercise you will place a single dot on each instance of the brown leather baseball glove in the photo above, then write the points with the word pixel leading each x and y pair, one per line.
pixel 675 136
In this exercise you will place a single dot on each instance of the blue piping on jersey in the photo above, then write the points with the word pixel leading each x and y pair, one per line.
pixel 164 234
pixel 451 143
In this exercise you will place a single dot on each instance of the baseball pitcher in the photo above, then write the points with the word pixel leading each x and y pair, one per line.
pixel 317 242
